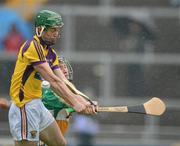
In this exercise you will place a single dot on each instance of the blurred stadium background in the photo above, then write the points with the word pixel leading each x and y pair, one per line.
pixel 123 52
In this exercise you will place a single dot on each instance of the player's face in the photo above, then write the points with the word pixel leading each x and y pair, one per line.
pixel 51 35
pixel 64 69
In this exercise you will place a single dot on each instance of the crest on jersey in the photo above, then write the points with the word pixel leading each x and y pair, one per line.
pixel 33 133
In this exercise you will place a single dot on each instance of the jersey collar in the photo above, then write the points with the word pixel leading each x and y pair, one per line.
pixel 40 41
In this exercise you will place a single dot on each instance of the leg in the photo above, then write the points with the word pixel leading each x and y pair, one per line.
pixel 25 122
pixel 19 126
pixel 63 121
pixel 63 125
pixel 25 143
pixel 52 135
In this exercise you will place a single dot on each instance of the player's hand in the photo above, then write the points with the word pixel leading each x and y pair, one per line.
pixel 79 107
pixel 90 110
pixel 95 104
pixel 80 104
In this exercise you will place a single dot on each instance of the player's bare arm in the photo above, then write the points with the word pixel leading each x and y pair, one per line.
pixel 59 87
pixel 90 109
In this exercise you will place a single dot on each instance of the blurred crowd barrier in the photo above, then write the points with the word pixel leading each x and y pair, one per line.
pixel 122 52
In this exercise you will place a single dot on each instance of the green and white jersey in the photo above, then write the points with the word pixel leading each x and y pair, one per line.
pixel 52 101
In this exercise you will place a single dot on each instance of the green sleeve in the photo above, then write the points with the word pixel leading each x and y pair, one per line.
pixel 70 110
pixel 51 100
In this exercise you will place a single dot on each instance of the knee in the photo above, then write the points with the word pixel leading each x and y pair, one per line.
pixel 64 143
pixel 61 143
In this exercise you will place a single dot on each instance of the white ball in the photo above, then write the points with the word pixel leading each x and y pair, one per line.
pixel 45 84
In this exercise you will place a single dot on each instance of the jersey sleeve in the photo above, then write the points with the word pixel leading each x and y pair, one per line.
pixel 55 64
pixel 35 54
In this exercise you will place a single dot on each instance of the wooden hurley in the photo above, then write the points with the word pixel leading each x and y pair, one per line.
pixel 154 106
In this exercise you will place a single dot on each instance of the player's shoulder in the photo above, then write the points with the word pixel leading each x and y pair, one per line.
pixel 29 44
pixel 25 47
pixel 36 42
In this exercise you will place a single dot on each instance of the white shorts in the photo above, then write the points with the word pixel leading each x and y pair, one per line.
pixel 26 122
